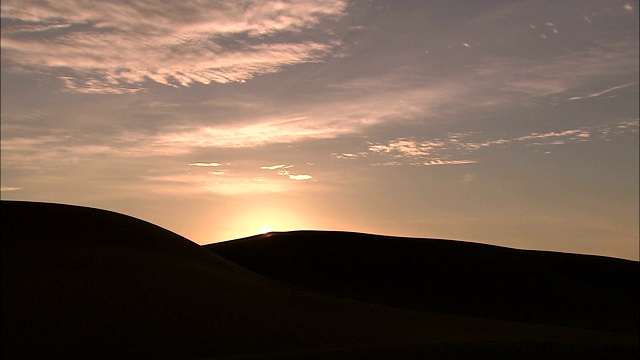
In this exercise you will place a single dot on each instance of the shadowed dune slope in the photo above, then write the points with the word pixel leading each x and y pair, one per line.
pixel 87 283
pixel 453 277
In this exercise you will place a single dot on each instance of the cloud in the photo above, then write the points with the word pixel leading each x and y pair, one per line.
pixel 629 125
pixel 241 179
pixel 607 132
pixel 9 188
pixel 300 177
pixel 258 133
pixel 606 91
pixel 95 86
pixel 550 138
pixel 107 47
pixel 507 83
pixel 407 147
pixel 355 105
pixel 576 135
pixel 443 151
pixel 388 163
pixel 422 153
pixel 274 167
pixel 349 156
pixel 283 171
pixel 351 108
pixel 214 164
pixel 195 185
pixel 448 162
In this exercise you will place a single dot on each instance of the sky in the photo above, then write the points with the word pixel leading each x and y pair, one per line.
pixel 513 123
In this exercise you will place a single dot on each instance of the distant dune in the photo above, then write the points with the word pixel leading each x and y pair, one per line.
pixel 452 277
pixel 87 283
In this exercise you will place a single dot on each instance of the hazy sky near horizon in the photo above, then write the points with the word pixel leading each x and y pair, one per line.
pixel 512 123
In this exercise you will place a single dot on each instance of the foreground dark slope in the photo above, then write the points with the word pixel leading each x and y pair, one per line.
pixel 87 283
pixel 451 277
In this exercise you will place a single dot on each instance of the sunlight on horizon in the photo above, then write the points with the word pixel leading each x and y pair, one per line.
pixel 263 219
pixel 265 230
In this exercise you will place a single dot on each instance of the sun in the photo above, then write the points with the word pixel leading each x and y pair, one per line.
pixel 265 230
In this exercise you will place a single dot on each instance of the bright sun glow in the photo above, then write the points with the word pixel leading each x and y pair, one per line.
pixel 265 230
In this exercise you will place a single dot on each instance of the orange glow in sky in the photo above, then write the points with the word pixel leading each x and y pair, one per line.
pixel 265 230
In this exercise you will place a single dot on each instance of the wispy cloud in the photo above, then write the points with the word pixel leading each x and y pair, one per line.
pixel 388 163
pixel 577 135
pixel 256 134
pixel 239 179
pixel 300 177
pixel 422 153
pixel 355 105
pixel 573 136
pixel 212 164
pixel 274 167
pixel 283 170
pixel 344 108
pixel 98 86
pixel 448 162
pixel 452 149
pixel 198 184
pixel 113 48
pixel 600 93
pixel 407 147
pixel 9 188
pixel 349 156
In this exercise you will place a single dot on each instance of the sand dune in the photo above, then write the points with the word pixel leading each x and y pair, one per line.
pixel 87 283
pixel 453 277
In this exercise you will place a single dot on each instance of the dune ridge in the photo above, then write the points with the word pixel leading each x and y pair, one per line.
pixel 87 283
pixel 447 276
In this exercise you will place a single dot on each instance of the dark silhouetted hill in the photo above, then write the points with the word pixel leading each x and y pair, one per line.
pixel 452 277
pixel 85 283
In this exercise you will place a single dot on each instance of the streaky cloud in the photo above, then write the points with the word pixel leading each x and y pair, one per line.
pixel 448 162
pixel 214 164
pixel 434 152
pixel 274 167
pixel 300 177
pixel 600 93
pixel 172 43
pixel 577 134
pixel 9 188
pixel 349 156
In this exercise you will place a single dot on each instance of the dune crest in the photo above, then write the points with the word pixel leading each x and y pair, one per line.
pixel 453 277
